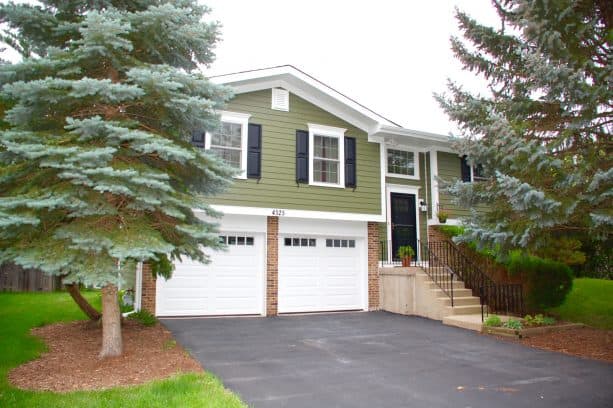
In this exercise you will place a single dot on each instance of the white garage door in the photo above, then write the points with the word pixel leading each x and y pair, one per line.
pixel 321 273
pixel 232 284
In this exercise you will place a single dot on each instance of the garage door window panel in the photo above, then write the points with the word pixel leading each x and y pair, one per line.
pixel 300 242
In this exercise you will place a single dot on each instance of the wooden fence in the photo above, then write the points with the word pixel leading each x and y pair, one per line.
pixel 13 278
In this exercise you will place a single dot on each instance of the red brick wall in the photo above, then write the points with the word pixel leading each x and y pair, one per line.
pixel 434 235
pixel 148 293
pixel 373 266
pixel 272 265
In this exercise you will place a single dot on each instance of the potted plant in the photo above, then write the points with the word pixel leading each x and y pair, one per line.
pixel 442 216
pixel 406 253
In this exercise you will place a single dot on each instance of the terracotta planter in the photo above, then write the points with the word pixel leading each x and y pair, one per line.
pixel 406 262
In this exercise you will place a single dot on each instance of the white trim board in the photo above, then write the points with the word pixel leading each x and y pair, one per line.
pixel 283 212
pixel 434 199
pixel 450 221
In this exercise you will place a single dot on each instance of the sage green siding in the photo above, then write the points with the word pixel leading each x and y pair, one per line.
pixel 421 183
pixel 449 169
pixel 277 188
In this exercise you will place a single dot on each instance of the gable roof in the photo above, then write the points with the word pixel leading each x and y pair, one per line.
pixel 318 93
pixel 307 87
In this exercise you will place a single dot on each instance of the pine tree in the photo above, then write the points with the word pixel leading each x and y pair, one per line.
pixel 543 131
pixel 97 171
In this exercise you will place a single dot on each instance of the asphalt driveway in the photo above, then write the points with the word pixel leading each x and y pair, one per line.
pixel 385 360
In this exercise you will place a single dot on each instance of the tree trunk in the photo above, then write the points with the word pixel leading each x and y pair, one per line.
pixel 112 344
pixel 75 293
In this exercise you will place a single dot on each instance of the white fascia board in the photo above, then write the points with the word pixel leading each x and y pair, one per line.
pixel 307 88
pixel 289 213
pixel 450 221
pixel 414 138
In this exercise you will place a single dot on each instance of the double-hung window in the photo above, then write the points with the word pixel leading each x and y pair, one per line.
pixel 226 143
pixel 402 163
pixel 471 173
pixel 326 145
pixel 229 141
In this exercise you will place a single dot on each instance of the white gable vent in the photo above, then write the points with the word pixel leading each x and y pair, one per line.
pixel 280 99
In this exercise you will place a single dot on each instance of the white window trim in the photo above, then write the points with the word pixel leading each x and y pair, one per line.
pixel 327 131
pixel 243 120
pixel 415 160
pixel 472 176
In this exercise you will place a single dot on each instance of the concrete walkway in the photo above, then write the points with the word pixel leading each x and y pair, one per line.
pixel 385 360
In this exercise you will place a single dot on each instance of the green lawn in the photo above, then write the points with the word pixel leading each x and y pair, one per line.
pixel 589 302
pixel 19 312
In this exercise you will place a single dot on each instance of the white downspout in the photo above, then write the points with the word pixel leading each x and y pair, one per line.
pixel 434 182
pixel 138 290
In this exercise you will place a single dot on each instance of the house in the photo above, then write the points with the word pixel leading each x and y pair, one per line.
pixel 327 188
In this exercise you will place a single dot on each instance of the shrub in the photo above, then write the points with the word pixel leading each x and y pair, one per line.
pixel 451 230
pixel 546 282
pixel 539 320
pixel 144 317
pixel 599 262
pixel 493 321
pixel 126 300
pixel 513 324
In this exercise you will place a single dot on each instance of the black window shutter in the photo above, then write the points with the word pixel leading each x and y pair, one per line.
pixel 302 156
pixel 254 151
pixel 465 168
pixel 350 162
pixel 198 138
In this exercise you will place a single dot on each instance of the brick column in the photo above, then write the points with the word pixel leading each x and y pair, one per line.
pixel 373 266
pixel 272 265
pixel 148 290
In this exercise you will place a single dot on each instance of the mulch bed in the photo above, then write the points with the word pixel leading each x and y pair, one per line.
pixel 72 362
pixel 583 342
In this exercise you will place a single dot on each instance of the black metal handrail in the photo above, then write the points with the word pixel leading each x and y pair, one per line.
pixel 498 297
pixel 442 275
pixel 445 264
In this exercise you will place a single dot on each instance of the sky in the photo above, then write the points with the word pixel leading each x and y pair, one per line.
pixel 390 56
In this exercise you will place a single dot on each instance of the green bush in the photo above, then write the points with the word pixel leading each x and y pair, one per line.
pixel 493 321
pixel 123 306
pixel 144 317
pixel 599 260
pixel 539 320
pixel 451 230
pixel 513 324
pixel 546 282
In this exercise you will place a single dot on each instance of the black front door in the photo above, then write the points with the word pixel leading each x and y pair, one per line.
pixel 404 225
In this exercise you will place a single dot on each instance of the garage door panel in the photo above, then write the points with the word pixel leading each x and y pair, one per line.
pixel 231 283
pixel 298 283
pixel 320 278
pixel 341 284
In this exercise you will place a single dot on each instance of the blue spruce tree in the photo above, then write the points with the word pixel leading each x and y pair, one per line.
pixel 97 171
pixel 543 131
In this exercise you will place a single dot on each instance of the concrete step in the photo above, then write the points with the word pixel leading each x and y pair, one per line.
pixel 463 310
pixel 456 285
pixel 460 301
pixel 468 321
pixel 456 292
